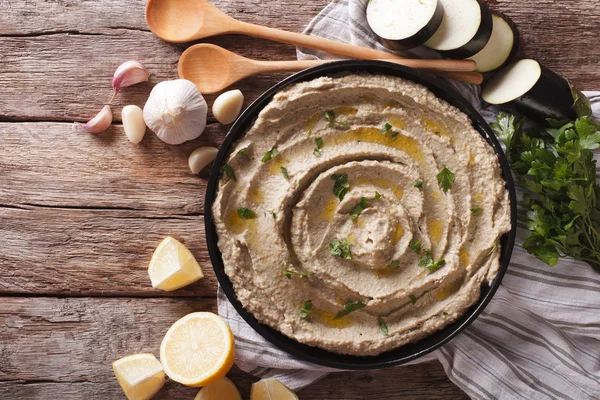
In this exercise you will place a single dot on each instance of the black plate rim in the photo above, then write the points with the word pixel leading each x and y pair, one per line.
pixel 393 357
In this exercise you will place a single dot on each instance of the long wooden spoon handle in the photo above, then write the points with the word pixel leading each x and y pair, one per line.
pixel 312 42
pixel 453 69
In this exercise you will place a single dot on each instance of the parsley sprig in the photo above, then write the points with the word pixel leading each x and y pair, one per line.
pixel 349 307
pixel 341 185
pixel 269 155
pixel 333 123
pixel 340 248
pixel 306 309
pixel 563 199
pixel 317 150
pixel 445 178
pixel 359 208
pixel 246 213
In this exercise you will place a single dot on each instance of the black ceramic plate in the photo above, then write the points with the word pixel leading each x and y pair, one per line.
pixel 407 352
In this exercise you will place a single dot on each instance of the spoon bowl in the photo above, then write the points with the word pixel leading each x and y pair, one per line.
pixel 180 21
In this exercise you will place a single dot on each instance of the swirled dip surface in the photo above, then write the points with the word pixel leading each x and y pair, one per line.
pixel 395 257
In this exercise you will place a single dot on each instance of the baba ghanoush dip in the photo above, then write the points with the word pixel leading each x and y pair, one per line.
pixel 360 213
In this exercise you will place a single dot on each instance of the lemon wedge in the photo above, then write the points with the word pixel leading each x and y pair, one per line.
pixel 271 388
pixel 173 266
pixel 198 349
pixel 140 375
pixel 223 389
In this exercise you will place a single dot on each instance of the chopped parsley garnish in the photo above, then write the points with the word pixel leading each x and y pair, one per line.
pixel 382 326
pixel 340 248
pixel 242 153
pixel 229 172
pixel 437 265
pixel 284 172
pixel 355 212
pixel 273 213
pixel 269 155
pixel 427 262
pixel 289 273
pixel 377 195
pixel 415 246
pixel 306 309
pixel 246 213
pixel 444 313
pixel 317 150
pixel 412 298
pixel 386 128
pixel 476 211
pixel 341 186
pixel 418 184
pixel 330 117
pixel 445 178
pixel 349 307
pixel 394 264
pixel 395 134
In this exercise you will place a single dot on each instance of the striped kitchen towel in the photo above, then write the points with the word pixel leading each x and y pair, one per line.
pixel 539 338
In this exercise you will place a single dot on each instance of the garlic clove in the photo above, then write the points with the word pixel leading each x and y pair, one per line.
pixel 227 106
pixel 201 157
pixel 176 111
pixel 100 122
pixel 129 73
pixel 133 123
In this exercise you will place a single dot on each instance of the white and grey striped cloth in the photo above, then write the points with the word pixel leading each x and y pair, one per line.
pixel 539 338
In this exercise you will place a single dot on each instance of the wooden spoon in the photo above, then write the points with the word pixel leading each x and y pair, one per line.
pixel 212 68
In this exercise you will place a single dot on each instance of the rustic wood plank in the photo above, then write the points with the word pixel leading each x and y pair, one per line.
pixel 59 65
pixel 61 165
pixel 82 252
pixel 64 347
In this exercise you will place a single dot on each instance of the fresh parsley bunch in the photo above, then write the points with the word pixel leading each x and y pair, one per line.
pixel 558 169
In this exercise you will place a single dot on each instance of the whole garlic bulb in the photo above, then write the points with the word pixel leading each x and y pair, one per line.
pixel 176 111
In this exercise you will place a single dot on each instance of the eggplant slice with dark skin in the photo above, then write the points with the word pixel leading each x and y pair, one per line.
pixel 465 29
pixel 536 92
pixel 404 24
pixel 502 46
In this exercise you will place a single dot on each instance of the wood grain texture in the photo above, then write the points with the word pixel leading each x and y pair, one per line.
pixel 74 341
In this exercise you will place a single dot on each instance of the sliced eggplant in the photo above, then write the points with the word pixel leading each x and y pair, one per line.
pixel 536 92
pixel 501 47
pixel 404 24
pixel 465 29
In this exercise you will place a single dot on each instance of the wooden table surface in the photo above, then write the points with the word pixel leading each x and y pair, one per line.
pixel 81 214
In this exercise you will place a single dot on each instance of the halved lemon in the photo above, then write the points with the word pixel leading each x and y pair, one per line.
pixel 223 389
pixel 141 376
pixel 271 388
pixel 173 266
pixel 198 349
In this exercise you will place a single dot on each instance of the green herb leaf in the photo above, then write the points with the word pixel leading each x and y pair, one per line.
pixel 330 117
pixel 289 273
pixel 319 142
pixel 444 313
pixel 476 211
pixel 386 128
pixel 394 264
pixel 445 179
pixel 269 155
pixel 418 184
pixel 377 195
pixel 272 213
pixel 340 248
pixel 341 186
pixel 415 246
pixel 306 309
pixel 426 260
pixel 413 298
pixel 436 265
pixel 242 153
pixel 284 172
pixel 317 152
pixel 229 172
pixel 350 306
pixel 382 326
pixel 355 212
pixel 245 213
